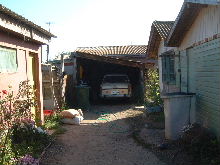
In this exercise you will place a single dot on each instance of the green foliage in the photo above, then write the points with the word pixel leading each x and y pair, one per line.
pixel 52 121
pixel 152 88
pixel 18 133
pixel 59 130
pixel 26 139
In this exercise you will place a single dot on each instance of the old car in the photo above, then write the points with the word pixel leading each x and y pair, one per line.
pixel 115 86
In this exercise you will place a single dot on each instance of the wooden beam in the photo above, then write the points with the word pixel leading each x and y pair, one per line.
pixel 109 59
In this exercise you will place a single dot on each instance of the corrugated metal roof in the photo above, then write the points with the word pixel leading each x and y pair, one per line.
pixel 130 50
pixel 163 27
pixel 23 20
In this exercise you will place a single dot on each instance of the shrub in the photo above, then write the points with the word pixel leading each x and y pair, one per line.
pixel 18 133
pixel 152 88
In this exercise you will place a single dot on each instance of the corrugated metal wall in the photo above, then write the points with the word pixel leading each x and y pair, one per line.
pixel 200 73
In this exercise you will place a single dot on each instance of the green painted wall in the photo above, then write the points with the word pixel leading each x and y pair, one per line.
pixel 183 67
pixel 200 73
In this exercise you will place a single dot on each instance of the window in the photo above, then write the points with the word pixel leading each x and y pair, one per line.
pixel 8 60
pixel 168 71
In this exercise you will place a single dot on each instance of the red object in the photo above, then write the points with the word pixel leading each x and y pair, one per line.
pixel 48 112
pixel 4 92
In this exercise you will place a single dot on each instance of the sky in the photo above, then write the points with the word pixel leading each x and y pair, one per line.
pixel 88 23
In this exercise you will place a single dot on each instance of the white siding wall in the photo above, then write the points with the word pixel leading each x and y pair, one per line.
pixel 206 25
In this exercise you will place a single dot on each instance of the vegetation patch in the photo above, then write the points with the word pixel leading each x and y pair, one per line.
pixel 201 144
pixel 21 139
pixel 152 93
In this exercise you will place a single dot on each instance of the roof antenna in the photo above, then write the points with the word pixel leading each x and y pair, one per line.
pixel 49 23
pixel 48 47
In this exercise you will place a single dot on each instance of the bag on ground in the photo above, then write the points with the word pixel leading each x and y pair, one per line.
pixel 74 121
pixel 70 113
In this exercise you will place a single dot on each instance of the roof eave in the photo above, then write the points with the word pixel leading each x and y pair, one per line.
pixel 25 21
pixel 153 43
pixel 179 28
pixel 156 36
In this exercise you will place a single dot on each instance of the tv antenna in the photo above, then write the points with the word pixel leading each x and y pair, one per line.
pixel 49 23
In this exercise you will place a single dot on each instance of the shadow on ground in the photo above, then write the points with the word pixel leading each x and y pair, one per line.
pixel 103 138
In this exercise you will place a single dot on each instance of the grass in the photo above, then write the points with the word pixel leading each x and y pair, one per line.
pixel 59 130
pixel 53 122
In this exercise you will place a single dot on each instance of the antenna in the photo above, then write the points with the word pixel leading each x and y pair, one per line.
pixel 49 23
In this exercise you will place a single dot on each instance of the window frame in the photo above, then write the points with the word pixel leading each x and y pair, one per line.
pixel 10 70
pixel 168 67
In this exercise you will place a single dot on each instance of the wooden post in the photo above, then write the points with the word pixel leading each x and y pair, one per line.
pixel 62 79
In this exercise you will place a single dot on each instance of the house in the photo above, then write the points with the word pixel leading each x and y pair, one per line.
pixel 156 47
pixel 196 36
pixel 68 63
pixel 20 52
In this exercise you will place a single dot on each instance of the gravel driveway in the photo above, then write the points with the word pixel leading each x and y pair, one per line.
pixel 102 139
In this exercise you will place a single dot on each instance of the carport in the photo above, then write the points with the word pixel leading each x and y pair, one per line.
pixel 92 63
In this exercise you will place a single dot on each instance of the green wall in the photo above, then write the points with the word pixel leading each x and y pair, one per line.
pixel 200 73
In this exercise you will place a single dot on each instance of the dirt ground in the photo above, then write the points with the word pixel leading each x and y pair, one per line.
pixel 103 138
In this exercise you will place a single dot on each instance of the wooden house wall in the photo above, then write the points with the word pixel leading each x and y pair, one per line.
pixel 200 74
pixel 206 25
pixel 200 67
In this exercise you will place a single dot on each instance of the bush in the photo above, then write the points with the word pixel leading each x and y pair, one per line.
pixel 152 88
pixel 52 121
pixel 27 139
pixel 19 137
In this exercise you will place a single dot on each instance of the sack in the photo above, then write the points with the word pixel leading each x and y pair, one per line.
pixel 80 112
pixel 70 113
pixel 76 120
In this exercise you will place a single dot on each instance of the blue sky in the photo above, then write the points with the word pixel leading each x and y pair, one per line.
pixel 79 23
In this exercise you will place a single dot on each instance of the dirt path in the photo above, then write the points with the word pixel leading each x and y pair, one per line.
pixel 102 139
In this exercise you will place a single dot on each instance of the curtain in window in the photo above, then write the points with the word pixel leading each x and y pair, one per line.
pixel 8 60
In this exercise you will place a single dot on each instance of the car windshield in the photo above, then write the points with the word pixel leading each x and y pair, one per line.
pixel 115 79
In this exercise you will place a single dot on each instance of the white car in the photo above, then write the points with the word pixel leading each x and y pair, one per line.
pixel 115 86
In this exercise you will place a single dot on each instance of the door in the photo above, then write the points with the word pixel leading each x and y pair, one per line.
pixel 31 75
